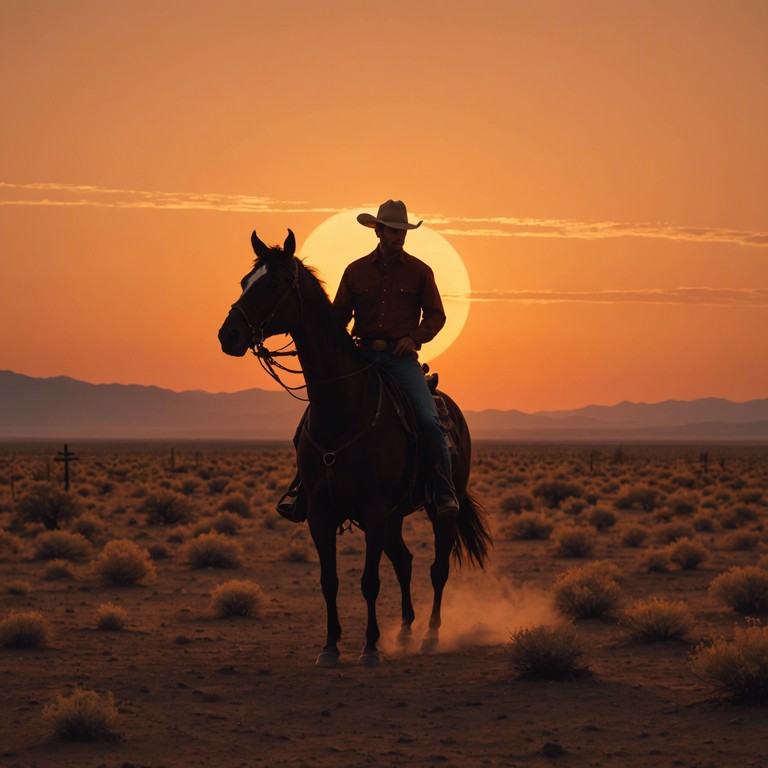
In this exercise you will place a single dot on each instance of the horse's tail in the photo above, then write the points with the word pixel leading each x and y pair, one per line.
pixel 473 538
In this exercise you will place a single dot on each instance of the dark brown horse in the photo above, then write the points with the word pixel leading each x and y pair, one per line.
pixel 355 458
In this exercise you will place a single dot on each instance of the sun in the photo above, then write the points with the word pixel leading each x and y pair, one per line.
pixel 341 239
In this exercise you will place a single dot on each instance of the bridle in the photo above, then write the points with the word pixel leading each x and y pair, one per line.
pixel 266 357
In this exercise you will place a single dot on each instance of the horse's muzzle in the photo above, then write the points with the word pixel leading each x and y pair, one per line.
pixel 234 337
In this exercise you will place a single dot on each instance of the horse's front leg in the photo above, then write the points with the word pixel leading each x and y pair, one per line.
pixel 370 584
pixel 402 559
pixel 445 536
pixel 324 537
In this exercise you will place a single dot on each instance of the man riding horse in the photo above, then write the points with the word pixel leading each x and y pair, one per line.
pixel 396 307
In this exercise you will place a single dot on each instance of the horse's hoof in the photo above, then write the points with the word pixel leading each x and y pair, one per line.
pixel 430 642
pixel 404 637
pixel 327 659
pixel 369 657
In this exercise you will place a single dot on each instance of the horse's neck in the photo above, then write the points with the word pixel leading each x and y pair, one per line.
pixel 335 382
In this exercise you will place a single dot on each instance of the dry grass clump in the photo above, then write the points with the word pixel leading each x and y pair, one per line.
pixel 238 598
pixel 529 526
pixel 123 564
pixel 62 545
pixel 224 522
pixel 47 505
pixel 237 504
pixel 213 550
pixel 656 561
pixel 516 503
pixel 27 629
pixel 737 517
pixel 547 652
pixel 657 619
pixel 554 492
pixel 642 497
pixel 602 518
pixel 633 536
pixel 56 570
pixel 18 587
pixel 9 544
pixel 743 589
pixel 574 541
pixel 165 508
pixel 589 591
pixel 297 551
pixel 687 553
pixel 111 618
pixel 82 716
pixel 741 541
pixel 88 525
pixel 666 534
pixel 739 667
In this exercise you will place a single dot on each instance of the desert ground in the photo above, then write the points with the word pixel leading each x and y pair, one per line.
pixel 193 687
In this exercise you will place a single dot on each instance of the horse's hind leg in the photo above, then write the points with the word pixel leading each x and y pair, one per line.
pixel 402 560
pixel 445 535
pixel 325 543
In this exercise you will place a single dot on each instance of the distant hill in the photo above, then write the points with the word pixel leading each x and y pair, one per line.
pixel 64 408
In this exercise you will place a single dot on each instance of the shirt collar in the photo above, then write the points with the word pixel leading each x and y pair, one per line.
pixel 375 258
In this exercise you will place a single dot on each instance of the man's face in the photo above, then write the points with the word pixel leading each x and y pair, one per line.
pixel 391 240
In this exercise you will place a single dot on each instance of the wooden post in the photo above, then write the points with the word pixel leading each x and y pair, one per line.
pixel 66 456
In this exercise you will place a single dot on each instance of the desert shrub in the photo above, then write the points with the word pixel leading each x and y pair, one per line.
pixel 297 551
pixel 516 503
pixel 656 561
pixel 270 521
pixel 736 517
pixel 657 619
pixel 9 544
pixel 47 505
pixel 743 589
pixel 123 563
pixel 82 716
pixel 217 485
pixel 681 505
pixel 739 667
pixel 224 522
pixel 574 541
pixel 554 492
pixel 61 545
pixel 236 503
pixel 88 525
pixel 546 652
pixel 213 550
pixel 686 553
pixel 165 508
pixel 18 587
pixel 111 617
pixel 589 591
pixel 741 541
pixel 189 486
pixel 633 535
pixel 529 525
pixel 28 629
pixel 158 551
pixel 602 518
pixel 644 498
pixel 238 598
pixel 703 523
pixel 666 534
pixel 58 569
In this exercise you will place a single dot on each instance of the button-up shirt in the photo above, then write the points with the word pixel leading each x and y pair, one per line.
pixel 390 301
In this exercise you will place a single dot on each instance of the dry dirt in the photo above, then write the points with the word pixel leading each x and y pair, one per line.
pixel 195 690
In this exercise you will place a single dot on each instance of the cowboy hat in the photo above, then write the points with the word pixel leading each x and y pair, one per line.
pixel 391 214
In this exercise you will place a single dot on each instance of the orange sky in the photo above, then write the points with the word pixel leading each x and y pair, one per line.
pixel 601 167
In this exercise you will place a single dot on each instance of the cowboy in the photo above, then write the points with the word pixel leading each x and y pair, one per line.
pixel 396 307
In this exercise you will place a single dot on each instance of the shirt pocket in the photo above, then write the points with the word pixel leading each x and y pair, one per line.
pixel 408 298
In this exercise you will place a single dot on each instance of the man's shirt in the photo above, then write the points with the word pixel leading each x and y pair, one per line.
pixel 390 301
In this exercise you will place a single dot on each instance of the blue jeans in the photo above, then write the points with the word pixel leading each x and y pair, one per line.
pixel 407 371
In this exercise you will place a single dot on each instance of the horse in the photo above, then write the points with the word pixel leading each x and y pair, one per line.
pixel 354 455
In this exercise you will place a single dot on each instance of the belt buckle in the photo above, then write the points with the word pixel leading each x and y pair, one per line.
pixel 379 345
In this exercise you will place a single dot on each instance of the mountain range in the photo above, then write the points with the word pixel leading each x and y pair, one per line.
pixel 67 409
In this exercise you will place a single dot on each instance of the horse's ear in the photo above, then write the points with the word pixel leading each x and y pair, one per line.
pixel 259 248
pixel 289 246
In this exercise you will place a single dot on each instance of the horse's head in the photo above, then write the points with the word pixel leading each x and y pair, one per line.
pixel 269 302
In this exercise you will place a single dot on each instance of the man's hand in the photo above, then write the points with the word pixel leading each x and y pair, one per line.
pixel 405 346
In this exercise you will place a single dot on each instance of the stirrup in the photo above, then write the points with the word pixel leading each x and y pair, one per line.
pixel 289 507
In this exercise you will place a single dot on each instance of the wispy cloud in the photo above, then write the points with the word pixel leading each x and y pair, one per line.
pixel 86 195
pixel 593 230
pixel 699 296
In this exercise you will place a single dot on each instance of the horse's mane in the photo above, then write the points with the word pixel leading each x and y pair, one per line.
pixel 329 318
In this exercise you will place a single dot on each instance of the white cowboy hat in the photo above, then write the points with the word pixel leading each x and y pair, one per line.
pixel 391 214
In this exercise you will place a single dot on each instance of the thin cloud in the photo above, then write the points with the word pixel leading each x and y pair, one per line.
pixel 86 195
pixel 684 295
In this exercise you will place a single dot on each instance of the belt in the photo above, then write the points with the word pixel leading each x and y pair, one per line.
pixel 377 345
